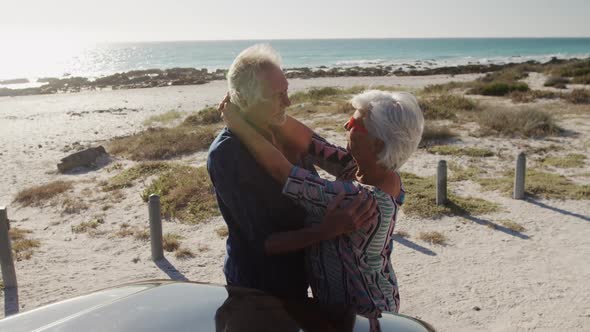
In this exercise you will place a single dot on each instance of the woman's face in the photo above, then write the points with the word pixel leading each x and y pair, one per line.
pixel 363 147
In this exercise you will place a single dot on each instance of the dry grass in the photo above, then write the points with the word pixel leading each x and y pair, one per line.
pixel 511 225
pixel 538 184
pixel 126 178
pixel 184 253
pixel 86 226
pixel 451 150
pixel 572 160
pixel 523 123
pixel 222 231
pixel 163 118
pixel 433 238
pixel 164 143
pixel 433 134
pixel 331 123
pixel 421 200
pixel 142 235
pixel 22 246
pixel 206 116
pixel 72 205
pixel 186 193
pixel 445 88
pixel 171 242
pixel 37 195
pixel 557 82
pixel 403 234
pixel 459 173
pixel 578 96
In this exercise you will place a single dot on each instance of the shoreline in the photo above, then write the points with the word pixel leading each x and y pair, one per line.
pixel 150 78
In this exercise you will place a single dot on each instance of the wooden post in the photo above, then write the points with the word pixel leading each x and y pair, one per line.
pixel 441 183
pixel 8 271
pixel 519 176
pixel 155 227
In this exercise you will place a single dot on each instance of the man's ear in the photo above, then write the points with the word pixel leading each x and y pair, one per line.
pixel 378 146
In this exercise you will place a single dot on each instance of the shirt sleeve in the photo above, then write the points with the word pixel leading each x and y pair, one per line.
pixel 315 194
pixel 332 158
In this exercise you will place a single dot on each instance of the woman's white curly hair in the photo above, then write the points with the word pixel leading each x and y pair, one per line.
pixel 396 119
pixel 245 87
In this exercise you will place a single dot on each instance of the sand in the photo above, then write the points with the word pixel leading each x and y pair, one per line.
pixel 483 279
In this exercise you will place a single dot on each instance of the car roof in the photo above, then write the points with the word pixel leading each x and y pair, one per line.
pixel 187 306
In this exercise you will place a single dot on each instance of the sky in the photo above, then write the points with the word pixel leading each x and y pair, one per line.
pixel 157 20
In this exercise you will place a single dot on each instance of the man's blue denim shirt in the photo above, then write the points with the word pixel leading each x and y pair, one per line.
pixel 253 207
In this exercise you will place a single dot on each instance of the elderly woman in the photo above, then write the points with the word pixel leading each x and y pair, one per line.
pixel 353 268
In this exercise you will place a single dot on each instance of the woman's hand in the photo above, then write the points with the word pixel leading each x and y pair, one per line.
pixel 341 220
pixel 230 113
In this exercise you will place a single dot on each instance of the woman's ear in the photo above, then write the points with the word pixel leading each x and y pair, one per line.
pixel 378 146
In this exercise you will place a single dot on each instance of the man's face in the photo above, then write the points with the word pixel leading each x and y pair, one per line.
pixel 272 110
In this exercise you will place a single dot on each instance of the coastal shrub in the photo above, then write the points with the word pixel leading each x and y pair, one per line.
pixel 445 106
pixel 585 79
pixel 573 68
pixel 38 195
pixel 445 87
pixel 457 151
pixel 572 160
pixel 532 95
pixel 127 177
pixel 578 96
pixel 315 94
pixel 186 193
pixel 524 123
pixel 421 200
pixel 184 253
pixel 163 118
pixel 206 116
pixel 163 143
pixel 433 134
pixel 538 184
pixel 433 238
pixel 498 88
pixel 22 246
pixel 557 82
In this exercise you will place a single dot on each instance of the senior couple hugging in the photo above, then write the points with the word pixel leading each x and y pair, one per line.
pixel 291 229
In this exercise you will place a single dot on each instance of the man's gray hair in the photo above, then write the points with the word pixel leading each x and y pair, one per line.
pixel 244 84
pixel 396 119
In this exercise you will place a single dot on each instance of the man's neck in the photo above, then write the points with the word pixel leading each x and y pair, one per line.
pixel 264 130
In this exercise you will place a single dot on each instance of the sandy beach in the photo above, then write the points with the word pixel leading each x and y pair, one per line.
pixel 486 278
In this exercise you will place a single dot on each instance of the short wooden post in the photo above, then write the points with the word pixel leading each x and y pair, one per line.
pixel 8 271
pixel 155 227
pixel 441 183
pixel 519 176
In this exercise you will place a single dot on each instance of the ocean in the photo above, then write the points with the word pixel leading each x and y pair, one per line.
pixel 36 61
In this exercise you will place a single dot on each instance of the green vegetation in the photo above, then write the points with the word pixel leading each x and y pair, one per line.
pixel 578 96
pixel 498 88
pixel 22 246
pixel 538 184
pixel 457 151
pixel 37 195
pixel 524 123
pixel 459 173
pixel 433 238
pixel 445 88
pixel 186 193
pixel 142 170
pixel 445 106
pixel 163 118
pixel 571 160
pixel 421 200
pixel 530 96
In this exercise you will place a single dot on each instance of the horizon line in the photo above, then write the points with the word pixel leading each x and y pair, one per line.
pixel 338 38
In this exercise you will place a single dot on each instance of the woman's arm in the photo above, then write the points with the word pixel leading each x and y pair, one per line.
pixel 337 221
pixel 295 135
pixel 269 157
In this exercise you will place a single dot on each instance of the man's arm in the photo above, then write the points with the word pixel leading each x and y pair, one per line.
pixel 337 221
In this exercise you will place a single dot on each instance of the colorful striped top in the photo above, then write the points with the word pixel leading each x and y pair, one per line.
pixel 353 269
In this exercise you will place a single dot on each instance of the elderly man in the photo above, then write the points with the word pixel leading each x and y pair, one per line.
pixel 249 199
